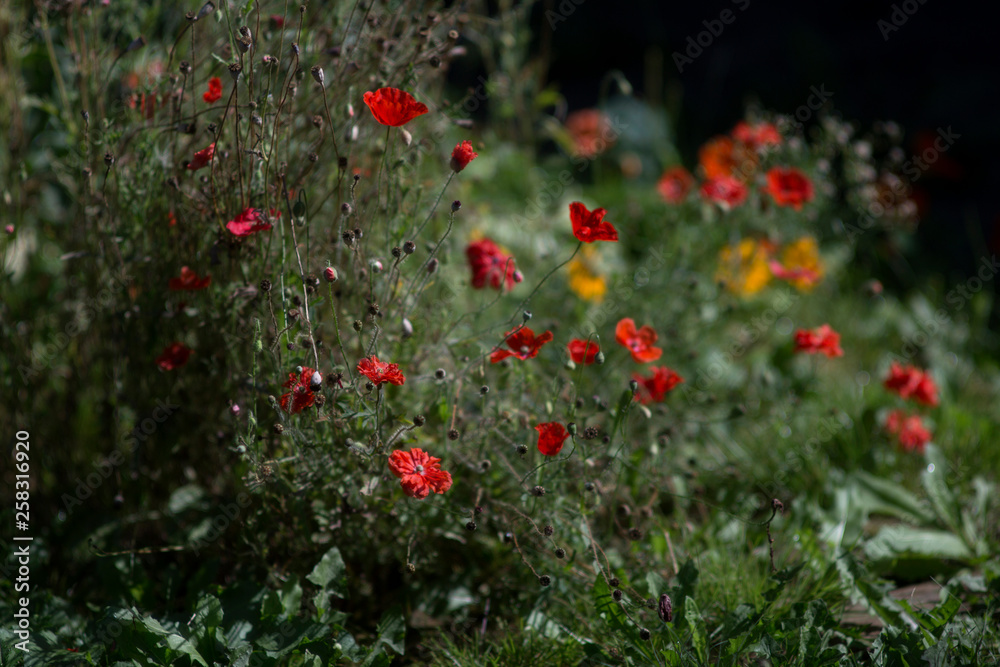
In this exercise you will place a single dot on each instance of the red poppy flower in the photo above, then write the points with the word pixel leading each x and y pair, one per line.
pixel 419 473
pixel 639 342
pixel 756 136
pixel 909 429
pixel 462 156
pixel 302 394
pixel 590 226
pixel 911 382
pixel 789 187
pixel 675 184
pixel 394 107
pixel 523 345
pixel 490 265
pixel 202 158
pixel 582 352
pixel 174 356
pixel 247 223
pixel 380 371
pixel 591 131
pixel 727 191
pixel 189 281
pixel 551 436
pixel 277 20
pixel 654 389
pixel 214 93
pixel 822 339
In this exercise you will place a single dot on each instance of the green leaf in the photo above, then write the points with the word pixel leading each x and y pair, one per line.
pixel 392 630
pixel 699 637
pixel 882 496
pixel 185 498
pixel 893 542
pixel 330 573
pixel 207 615
pixel 291 597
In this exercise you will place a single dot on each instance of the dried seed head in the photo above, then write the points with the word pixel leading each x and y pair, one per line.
pixel 453 434
pixel 411 568
pixel 545 580
pixel 348 237
pixel 634 534
pixel 470 526
pixel 109 159
pixel 522 449
pixel 358 324
pixel 617 594
pixel 560 553
pixel 484 390
pixel 345 209
pixel 419 420
pixel 440 373
pixel 317 74
pixel 643 634
pixel 409 247
pixel 265 285
pixel 185 67
pixel 548 530
pixel 484 466
pixel 278 428
pixel 525 316
pixel 455 206
pixel 538 491
pixel 777 505
pixel 614 583
pixel 396 252
pixel 293 314
pixel 435 61
pixel 235 70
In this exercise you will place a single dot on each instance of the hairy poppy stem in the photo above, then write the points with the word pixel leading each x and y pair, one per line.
pixel 521 306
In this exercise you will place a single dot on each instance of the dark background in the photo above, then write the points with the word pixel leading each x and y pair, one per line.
pixel 938 69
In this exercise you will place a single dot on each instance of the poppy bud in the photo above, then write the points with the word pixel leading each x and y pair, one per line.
pixel 317 74
pixel 409 247
pixel 235 69
pixel 522 449
pixel 470 526
pixel 440 373
pixel 643 634
pixel 345 209
pixel 617 594
pixel 571 427
pixel 265 285
pixel 376 266
pixel 518 276
pixel 419 420
pixel 665 610
pixel 109 159
pixel 526 315
pixel 455 206
pixel 206 9
pixel 538 491
pixel 560 553
pixel 432 265
pixel 316 381
pixel 407 328
pixel 633 385
pixel 406 137
pixel 453 434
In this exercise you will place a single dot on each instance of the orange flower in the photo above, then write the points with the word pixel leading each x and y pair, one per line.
pixel 789 187
pixel 726 191
pixel 756 136
pixel 675 184
pixel 912 434
pixel 522 343
pixel 722 156
pixel 590 226
pixel 303 384
pixel 174 356
pixel 551 436
pixel 214 93
pixel 419 473
pixel 202 158
pixel 800 264
pixel 380 371
pixel 393 107
pixel 582 352
pixel 189 281
pixel 822 339
pixel 654 389
pixel 591 132
pixel 912 382
pixel 639 342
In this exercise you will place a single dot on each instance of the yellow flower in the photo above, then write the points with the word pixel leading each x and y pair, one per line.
pixel 584 279
pixel 801 265
pixel 744 269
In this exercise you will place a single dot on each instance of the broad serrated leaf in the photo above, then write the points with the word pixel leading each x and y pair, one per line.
pixel 392 630
pixel 699 637
pixel 330 573
pixel 882 496
pixel 941 497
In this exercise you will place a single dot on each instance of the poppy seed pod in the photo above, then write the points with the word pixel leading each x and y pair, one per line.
pixel 317 74
pixel 406 137
pixel 235 69
pixel 455 206
pixel 407 328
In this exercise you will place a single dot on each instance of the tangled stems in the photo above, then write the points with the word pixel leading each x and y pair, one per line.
pixel 336 328
pixel 521 306
pixel 451 223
